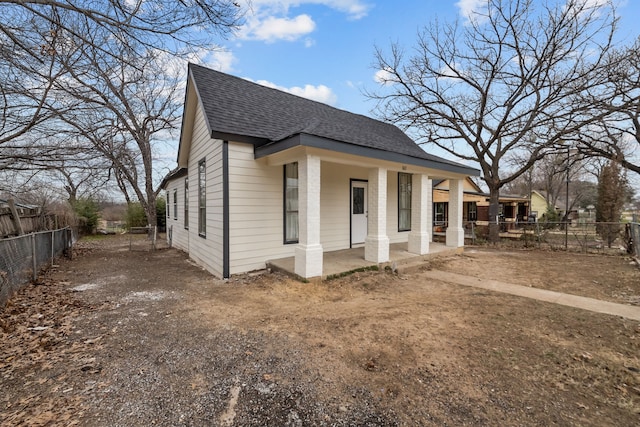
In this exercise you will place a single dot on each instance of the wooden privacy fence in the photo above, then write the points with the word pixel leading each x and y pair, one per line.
pixel 22 257
pixel 16 219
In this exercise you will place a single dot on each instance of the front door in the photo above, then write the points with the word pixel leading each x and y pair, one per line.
pixel 358 212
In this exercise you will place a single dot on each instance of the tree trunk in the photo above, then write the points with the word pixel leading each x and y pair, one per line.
pixel 494 210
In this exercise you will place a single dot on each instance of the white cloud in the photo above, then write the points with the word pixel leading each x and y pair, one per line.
pixel 272 29
pixel 268 20
pixel 384 77
pixel 473 10
pixel 221 60
pixel 356 9
pixel 320 93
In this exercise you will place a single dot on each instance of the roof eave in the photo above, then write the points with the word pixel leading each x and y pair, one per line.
pixel 347 148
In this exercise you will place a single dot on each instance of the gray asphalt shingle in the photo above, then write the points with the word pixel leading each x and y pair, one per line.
pixel 236 106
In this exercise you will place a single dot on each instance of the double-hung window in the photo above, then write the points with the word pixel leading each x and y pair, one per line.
pixel 175 204
pixel 202 198
pixel 404 201
pixel 186 203
pixel 291 203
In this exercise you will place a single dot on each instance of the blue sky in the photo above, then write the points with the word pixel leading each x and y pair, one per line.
pixel 324 49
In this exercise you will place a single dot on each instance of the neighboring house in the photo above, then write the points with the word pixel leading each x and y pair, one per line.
pixel 539 204
pixel 475 206
pixel 263 174
pixel 472 198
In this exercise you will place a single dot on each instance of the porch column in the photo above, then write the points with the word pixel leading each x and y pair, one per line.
pixel 455 232
pixel 420 206
pixel 376 245
pixel 429 214
pixel 308 253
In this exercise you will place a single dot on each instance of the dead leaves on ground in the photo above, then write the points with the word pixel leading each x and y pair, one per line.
pixel 44 356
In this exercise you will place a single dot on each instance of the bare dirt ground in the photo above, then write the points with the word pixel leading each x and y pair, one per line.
pixel 131 338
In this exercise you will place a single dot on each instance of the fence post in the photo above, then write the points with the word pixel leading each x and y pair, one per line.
pixel 34 257
pixel 69 242
pixel 53 239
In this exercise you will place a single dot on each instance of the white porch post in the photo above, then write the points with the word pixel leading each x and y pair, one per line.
pixel 430 210
pixel 376 246
pixel 420 206
pixel 308 253
pixel 455 232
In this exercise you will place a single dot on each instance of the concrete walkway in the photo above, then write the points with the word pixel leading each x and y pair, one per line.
pixel 591 304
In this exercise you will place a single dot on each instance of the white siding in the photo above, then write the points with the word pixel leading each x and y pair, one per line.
pixel 335 195
pixel 255 211
pixel 179 236
pixel 206 251
pixel 256 206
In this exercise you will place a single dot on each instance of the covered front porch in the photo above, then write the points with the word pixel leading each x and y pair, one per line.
pixel 343 261
pixel 376 211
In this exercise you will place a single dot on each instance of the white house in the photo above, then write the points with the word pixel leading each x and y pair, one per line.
pixel 263 174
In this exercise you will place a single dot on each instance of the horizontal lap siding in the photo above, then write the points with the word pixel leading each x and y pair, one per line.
pixel 335 197
pixel 206 251
pixel 255 211
pixel 179 236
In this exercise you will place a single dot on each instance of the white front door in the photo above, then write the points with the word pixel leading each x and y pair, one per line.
pixel 358 212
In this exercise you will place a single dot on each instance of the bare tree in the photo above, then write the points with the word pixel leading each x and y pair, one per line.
pixel 505 83
pixel 617 135
pixel 34 33
pixel 129 107
pixel 94 72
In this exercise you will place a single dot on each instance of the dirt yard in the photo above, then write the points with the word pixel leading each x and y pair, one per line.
pixel 132 338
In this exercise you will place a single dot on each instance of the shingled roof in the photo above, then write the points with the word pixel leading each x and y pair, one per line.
pixel 237 108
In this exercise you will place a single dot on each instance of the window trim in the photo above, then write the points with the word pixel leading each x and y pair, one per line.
pixel 470 211
pixel 284 205
pixel 202 198
pixel 175 203
pixel 186 203
pixel 409 196
pixel 443 221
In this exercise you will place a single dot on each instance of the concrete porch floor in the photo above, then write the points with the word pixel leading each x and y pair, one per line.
pixel 346 260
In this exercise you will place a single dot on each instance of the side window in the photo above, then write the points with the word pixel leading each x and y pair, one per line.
pixel 186 203
pixel 404 201
pixel 202 198
pixel 175 204
pixel 291 203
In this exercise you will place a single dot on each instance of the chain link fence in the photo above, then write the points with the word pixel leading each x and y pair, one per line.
pixel 579 236
pixel 22 257
pixel 634 236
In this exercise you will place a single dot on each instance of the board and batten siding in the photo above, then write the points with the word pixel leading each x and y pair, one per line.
pixel 207 250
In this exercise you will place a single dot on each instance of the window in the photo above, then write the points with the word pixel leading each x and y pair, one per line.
pixel 186 203
pixel 472 211
pixel 168 204
pixel 439 213
pixel 175 204
pixel 291 203
pixel 404 201
pixel 202 199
